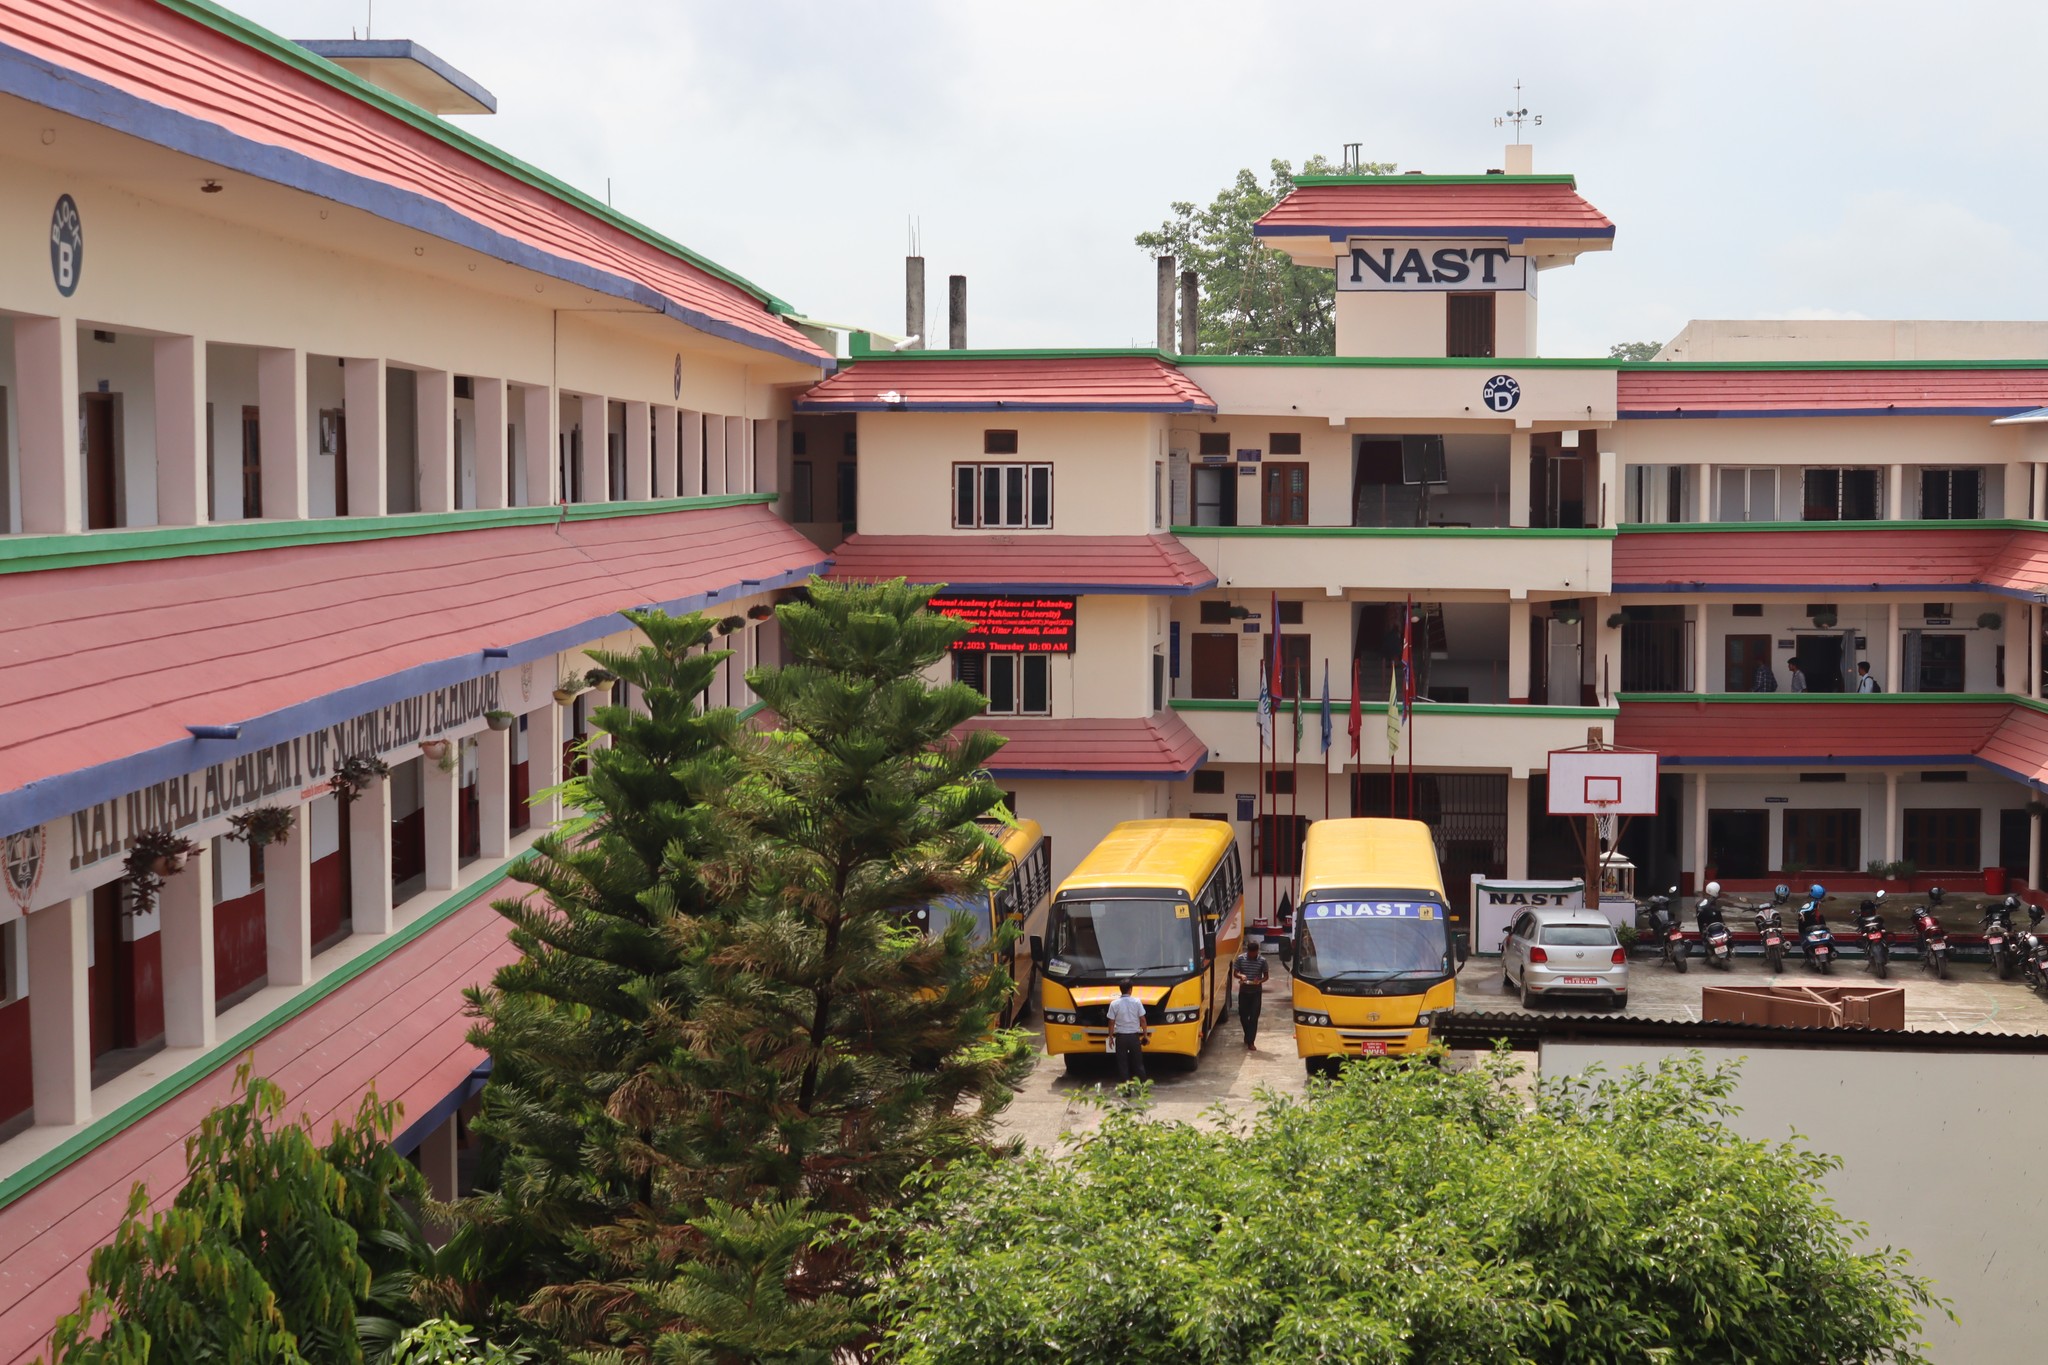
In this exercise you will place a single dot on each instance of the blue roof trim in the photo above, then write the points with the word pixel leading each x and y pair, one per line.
pixel 1512 234
pixel 416 1132
pixel 1819 760
pixel 56 797
pixel 398 49
pixel 1080 589
pixel 31 78
pixel 1070 775
pixel 831 405
pixel 2017 594
pixel 1670 414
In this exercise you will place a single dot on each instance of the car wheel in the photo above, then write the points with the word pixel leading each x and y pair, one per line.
pixel 1528 999
pixel 1617 1003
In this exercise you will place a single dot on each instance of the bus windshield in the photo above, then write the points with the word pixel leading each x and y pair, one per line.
pixel 1120 937
pixel 1371 941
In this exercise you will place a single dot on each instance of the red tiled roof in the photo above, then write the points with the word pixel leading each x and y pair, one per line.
pixel 400 1027
pixel 244 106
pixel 1081 383
pixel 1027 562
pixel 1151 747
pixel 2019 746
pixel 1680 391
pixel 109 663
pixel 1512 207
pixel 1810 732
pixel 2020 564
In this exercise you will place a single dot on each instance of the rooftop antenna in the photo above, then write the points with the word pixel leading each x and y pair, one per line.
pixel 1518 116
pixel 915 230
pixel 369 16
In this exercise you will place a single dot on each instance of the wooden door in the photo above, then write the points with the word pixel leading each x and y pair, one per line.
pixel 1741 656
pixel 252 463
pixel 1215 666
pixel 102 485
pixel 1286 483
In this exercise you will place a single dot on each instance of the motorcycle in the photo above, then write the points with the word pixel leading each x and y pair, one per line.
pixel 1931 937
pixel 1998 936
pixel 1715 940
pixel 1816 940
pixel 2033 951
pixel 1664 924
pixel 1876 940
pixel 1770 928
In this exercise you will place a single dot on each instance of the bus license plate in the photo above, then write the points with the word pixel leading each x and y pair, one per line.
pixel 1375 1047
pixel 1580 981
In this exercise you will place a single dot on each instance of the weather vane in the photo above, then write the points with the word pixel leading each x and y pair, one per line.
pixel 1518 116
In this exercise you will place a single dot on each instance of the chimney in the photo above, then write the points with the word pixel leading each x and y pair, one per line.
pixel 1521 159
pixel 956 312
pixel 1166 303
pixel 913 301
pixel 1190 313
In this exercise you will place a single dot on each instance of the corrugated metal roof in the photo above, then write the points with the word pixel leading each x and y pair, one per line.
pixel 1513 207
pixel 1140 748
pixel 1687 392
pixel 1816 733
pixel 175 65
pixel 1527 1030
pixel 1027 562
pixel 1055 383
pixel 1820 558
pixel 402 1027
pixel 111 663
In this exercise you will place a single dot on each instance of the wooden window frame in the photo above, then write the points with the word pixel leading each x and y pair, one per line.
pixel 1268 498
pixel 1958 849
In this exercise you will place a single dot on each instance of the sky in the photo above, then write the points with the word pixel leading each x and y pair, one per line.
pixel 1788 159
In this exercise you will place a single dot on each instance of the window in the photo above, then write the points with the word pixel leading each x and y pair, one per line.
pixel 1946 775
pixel 1158 494
pixel 1017 684
pixel 1216 613
pixel 252 463
pixel 1215 494
pixel 1825 840
pixel 1158 682
pixel 1010 496
pixel 1944 840
pixel 799 443
pixel 999 443
pixel 849 489
pixel 1468 328
pixel 800 500
pixel 1743 655
pixel 1747 609
pixel 1746 495
pixel 1279 783
pixel 1932 662
pixel 1286 484
pixel 1951 494
pixel 1290 613
pixel 1214 443
pixel 1209 782
pixel 1276 844
pixel 1656 493
pixel 1284 443
pixel 1841 495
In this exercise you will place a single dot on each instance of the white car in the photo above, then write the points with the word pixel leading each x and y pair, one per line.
pixel 1564 952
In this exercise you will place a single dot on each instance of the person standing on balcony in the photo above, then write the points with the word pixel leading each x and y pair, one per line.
pixel 1766 681
pixel 1798 676
pixel 1865 680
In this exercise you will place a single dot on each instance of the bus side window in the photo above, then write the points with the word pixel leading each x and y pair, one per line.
pixel 1006 901
pixel 1234 882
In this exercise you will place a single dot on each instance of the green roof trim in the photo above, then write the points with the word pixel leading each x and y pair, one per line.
pixel 1766 365
pixel 1394 532
pixel 1398 178
pixel 860 346
pixel 1399 362
pixel 1815 698
pixel 254 35
pixel 31 554
pixel 1431 708
pixel 1629 528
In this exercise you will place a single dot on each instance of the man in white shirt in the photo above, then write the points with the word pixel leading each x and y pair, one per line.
pixel 1798 676
pixel 1864 681
pixel 1127 1033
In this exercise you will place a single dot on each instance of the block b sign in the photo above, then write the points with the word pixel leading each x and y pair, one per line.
pixel 1386 266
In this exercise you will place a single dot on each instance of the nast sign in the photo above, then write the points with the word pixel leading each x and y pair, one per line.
pixel 1421 267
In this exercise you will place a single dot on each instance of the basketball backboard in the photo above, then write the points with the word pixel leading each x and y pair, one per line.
pixel 1602 782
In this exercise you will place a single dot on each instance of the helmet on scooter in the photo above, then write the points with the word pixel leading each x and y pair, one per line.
pixel 1713 888
pixel 1781 891
pixel 1817 891
pixel 1934 894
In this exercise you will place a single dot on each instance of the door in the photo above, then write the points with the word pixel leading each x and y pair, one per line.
pixel 1739 842
pixel 1286 484
pixel 1820 659
pixel 102 476
pixel 252 463
pixel 107 984
pixel 1741 656
pixel 1564 671
pixel 1215 667
pixel 334 433
pixel 1825 840
pixel 1512 947
pixel 1215 495
pixel 1941 664
pixel 1378 495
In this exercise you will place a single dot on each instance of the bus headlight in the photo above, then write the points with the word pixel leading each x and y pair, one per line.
pixel 1319 1018
pixel 1061 1017
pixel 1181 1016
pixel 1428 1017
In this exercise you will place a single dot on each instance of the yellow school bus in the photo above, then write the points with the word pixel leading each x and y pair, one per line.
pixel 1019 897
pixel 1160 904
pixel 1372 954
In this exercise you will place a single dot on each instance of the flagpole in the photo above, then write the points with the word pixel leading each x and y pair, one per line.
pixel 1327 813
pixel 1294 798
pixel 1259 820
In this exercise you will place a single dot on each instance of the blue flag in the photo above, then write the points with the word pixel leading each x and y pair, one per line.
pixel 1265 709
pixel 1326 708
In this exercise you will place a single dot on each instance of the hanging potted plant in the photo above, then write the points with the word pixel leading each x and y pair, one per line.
pixel 1990 620
pixel 1824 619
pixel 355 774
pixel 730 624
pixel 570 688
pixel 601 680
pixel 436 749
pixel 760 612
pixel 1615 620
pixel 500 720
pixel 263 825
pixel 156 854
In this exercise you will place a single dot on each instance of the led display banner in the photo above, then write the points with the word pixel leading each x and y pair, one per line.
pixel 1424 267
pixel 1013 625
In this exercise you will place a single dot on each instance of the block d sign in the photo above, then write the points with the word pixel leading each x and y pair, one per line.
pixel 1013 625
pixel 1421 267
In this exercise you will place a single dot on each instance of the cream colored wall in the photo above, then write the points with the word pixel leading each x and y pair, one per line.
pixel 1856 339
pixel 1102 468
pixel 1438 395
pixel 1780 790
pixel 1796 441
pixel 1076 815
pixel 1869 615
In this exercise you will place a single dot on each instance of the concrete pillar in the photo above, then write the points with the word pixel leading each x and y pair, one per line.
pixel 639 452
pixel 1706 510
pixel 2037 504
pixel 766 462
pixel 1190 313
pixel 593 416
pixel 544 762
pixel 179 383
pixel 1518 650
pixel 60 1011
pixel 437 1160
pixel 2017 616
pixel 956 312
pixel 1891 680
pixel 738 462
pixel 714 455
pixel 493 478
pixel 913 301
pixel 441 794
pixel 362 382
pixel 690 453
pixel 1699 828
pixel 281 424
pixel 369 841
pixel 1609 465
pixel 1167 277
pixel 288 903
pixel 665 446
pixel 2019 487
pixel 1518 478
pixel 1891 815
pixel 538 407
pixel 1894 492
pixel 1702 674
pixel 494 793
pixel 186 904
pixel 435 409
pixel 46 405
pixel 1518 828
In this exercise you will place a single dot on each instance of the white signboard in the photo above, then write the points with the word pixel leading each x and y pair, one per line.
pixel 1495 903
pixel 1385 265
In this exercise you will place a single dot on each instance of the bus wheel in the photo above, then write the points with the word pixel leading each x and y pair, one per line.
pixel 1075 1063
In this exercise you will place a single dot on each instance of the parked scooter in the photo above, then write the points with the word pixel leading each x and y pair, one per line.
pixel 1876 939
pixel 1770 927
pixel 1715 940
pixel 1932 938
pixel 2032 950
pixel 1998 936
pixel 1664 924
pixel 1816 940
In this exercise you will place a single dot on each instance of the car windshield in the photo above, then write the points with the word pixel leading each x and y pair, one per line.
pixel 933 916
pixel 1371 940
pixel 1578 936
pixel 1120 936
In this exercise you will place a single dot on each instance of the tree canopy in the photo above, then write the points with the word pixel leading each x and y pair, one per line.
pixel 1635 350
pixel 1254 301
pixel 1406 1214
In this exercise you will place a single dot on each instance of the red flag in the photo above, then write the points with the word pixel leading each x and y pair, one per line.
pixel 1407 659
pixel 1276 688
pixel 1356 726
